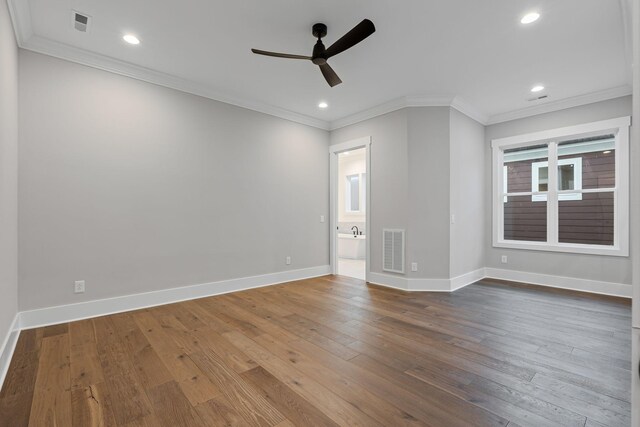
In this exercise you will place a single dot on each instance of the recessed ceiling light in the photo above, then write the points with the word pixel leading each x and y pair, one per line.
pixel 530 17
pixel 323 105
pixel 606 152
pixel 537 88
pixel 131 39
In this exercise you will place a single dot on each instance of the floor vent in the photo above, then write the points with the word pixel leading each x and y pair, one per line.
pixel 393 252
pixel 80 22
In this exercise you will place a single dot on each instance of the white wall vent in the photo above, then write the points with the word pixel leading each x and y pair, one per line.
pixel 393 250
pixel 80 21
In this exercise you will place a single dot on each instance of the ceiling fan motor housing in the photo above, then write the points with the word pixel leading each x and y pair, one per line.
pixel 319 30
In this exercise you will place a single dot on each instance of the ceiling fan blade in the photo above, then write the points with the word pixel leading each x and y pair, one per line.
pixel 279 55
pixel 352 38
pixel 330 76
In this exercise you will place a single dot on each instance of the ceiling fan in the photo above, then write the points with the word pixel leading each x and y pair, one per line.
pixel 320 55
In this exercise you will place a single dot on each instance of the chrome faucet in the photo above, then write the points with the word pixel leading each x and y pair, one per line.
pixel 356 231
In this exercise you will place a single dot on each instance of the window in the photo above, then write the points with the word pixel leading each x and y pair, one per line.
pixel 569 178
pixel 564 190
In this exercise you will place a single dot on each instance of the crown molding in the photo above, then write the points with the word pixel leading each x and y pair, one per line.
pixel 561 104
pixel 26 39
pixel 63 51
pixel 21 19
pixel 469 110
pixel 412 101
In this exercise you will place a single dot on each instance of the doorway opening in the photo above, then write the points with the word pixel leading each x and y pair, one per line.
pixel 350 209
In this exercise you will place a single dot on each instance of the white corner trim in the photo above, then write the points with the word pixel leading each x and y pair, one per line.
pixel 102 62
pixel 561 104
pixel 84 310
pixel 8 347
pixel 467 279
pixel 571 283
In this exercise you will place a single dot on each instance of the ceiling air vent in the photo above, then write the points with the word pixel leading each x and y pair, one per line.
pixel 80 21
pixel 538 98
pixel 393 250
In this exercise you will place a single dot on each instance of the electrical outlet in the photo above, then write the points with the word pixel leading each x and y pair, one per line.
pixel 504 259
pixel 78 287
pixel 414 266
pixel 321 218
pixel 453 218
pixel 288 260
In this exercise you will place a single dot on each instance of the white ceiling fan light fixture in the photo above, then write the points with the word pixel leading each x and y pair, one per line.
pixel 131 39
pixel 530 18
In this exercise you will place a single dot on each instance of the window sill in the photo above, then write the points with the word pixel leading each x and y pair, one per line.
pixel 564 248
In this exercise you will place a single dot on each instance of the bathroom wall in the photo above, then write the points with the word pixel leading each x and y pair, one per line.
pixel 353 163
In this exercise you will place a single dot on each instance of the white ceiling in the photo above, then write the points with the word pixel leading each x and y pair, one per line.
pixel 475 50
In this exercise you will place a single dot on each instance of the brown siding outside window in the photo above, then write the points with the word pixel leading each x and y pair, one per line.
pixel 584 218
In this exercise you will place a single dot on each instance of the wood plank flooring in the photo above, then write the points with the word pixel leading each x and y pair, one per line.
pixel 333 351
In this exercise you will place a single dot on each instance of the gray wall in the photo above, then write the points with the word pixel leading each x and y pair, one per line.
pixel 467 176
pixel 135 187
pixel 410 184
pixel 388 174
pixel 592 267
pixel 8 173
pixel 428 232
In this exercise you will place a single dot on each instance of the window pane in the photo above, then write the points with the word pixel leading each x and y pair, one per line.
pixel 587 221
pixel 525 219
pixel 566 177
pixel 542 183
pixel 521 174
pixel 596 157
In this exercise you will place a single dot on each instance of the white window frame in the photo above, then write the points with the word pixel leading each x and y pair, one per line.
pixel 577 179
pixel 620 129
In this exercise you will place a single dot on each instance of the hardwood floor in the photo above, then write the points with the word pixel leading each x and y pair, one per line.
pixel 333 351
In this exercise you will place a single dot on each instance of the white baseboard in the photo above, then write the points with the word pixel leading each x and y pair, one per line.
pixel 572 283
pixel 388 280
pixel 67 313
pixel 8 346
pixel 84 310
pixel 455 283
pixel 426 285
pixel 467 279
